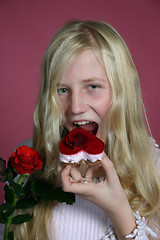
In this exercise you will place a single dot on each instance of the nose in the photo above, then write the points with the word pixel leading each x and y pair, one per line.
pixel 78 103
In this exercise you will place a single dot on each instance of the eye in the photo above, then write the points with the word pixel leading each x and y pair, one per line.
pixel 62 91
pixel 93 87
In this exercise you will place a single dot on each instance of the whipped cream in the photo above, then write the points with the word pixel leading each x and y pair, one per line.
pixel 82 155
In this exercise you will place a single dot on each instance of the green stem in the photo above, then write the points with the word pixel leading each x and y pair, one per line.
pixel 11 216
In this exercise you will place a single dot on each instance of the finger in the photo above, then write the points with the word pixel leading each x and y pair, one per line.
pixel 75 173
pixel 109 169
pixel 69 185
pixel 60 166
pixel 91 170
pixel 65 177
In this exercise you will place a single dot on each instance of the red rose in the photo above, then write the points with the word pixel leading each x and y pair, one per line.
pixel 26 160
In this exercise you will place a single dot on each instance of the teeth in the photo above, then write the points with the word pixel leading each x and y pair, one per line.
pixel 81 123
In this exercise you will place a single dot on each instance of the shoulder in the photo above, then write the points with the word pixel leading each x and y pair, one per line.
pixel 28 142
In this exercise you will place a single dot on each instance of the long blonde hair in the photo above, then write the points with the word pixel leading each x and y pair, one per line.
pixel 128 143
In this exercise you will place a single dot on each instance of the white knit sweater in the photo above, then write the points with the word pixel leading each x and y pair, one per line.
pixel 80 221
pixel 85 221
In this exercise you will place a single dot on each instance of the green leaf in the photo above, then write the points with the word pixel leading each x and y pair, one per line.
pixel 3 218
pixel 19 219
pixel 16 187
pixel 59 195
pixel 11 236
pixel 2 170
pixel 10 169
pixel 27 187
pixel 39 187
pixel 26 203
pixel 66 197
pixel 7 209
pixel 45 192
pixel 5 206
pixel 8 193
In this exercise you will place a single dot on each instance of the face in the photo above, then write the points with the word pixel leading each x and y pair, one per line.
pixel 85 95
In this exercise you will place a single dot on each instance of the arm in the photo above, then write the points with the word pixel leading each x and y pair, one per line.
pixel 108 195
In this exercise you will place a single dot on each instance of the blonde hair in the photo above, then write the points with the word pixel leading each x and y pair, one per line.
pixel 128 144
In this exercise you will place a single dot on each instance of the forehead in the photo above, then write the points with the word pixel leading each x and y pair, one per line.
pixel 85 65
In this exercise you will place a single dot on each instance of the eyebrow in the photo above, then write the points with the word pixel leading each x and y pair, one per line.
pixel 90 80
pixel 94 79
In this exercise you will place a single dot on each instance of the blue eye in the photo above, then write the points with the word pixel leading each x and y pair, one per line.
pixel 62 90
pixel 93 87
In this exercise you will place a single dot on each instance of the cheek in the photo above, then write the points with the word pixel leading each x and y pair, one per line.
pixel 63 104
pixel 102 106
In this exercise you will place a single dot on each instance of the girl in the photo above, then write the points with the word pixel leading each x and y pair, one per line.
pixel 89 80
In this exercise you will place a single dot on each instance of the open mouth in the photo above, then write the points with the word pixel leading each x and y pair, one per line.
pixel 89 126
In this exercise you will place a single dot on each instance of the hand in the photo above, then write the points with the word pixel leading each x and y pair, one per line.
pixel 108 194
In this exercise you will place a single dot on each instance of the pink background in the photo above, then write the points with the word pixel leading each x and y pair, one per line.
pixel 27 26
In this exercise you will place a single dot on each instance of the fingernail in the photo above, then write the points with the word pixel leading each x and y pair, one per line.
pixel 84 181
pixel 78 180
pixel 68 166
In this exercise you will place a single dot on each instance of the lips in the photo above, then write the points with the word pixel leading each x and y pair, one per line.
pixel 79 139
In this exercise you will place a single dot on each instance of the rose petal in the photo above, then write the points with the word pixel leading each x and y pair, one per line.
pixel 26 160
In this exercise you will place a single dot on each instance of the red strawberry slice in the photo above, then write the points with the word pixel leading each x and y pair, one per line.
pixel 80 139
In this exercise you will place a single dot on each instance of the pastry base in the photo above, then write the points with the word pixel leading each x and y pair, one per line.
pixel 83 162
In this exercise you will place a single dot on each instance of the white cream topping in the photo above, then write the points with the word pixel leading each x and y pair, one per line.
pixel 75 158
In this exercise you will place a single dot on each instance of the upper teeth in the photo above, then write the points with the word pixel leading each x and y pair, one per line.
pixel 81 123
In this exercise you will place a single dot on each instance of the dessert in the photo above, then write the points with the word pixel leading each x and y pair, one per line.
pixel 81 146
